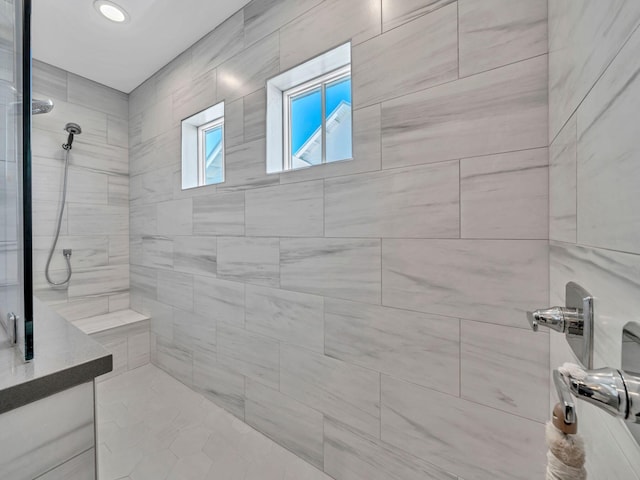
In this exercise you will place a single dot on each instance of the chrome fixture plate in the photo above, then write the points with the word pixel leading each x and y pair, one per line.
pixel 582 345
pixel 575 320
pixel 631 361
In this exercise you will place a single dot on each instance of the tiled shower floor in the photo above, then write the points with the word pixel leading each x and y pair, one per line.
pixel 151 427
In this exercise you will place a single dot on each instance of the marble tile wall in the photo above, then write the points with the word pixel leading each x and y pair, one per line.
pixel 594 155
pixel 96 219
pixel 327 307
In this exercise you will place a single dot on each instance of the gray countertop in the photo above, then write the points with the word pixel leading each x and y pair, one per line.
pixel 63 358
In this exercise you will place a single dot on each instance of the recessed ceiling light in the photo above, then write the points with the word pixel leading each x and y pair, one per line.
pixel 111 11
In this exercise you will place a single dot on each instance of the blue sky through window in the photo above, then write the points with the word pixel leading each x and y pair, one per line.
pixel 213 155
pixel 306 110
pixel 306 117
pixel 336 93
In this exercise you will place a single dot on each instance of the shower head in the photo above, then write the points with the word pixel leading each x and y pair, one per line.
pixel 72 129
pixel 41 106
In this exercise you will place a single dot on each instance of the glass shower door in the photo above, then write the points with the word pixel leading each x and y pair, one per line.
pixel 12 291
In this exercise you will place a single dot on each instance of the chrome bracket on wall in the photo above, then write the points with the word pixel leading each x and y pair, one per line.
pixel 575 320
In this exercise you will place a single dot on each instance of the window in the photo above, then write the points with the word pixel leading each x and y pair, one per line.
pixel 211 152
pixel 317 121
pixel 203 148
pixel 309 118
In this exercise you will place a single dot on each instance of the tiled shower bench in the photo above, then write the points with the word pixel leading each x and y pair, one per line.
pixel 125 333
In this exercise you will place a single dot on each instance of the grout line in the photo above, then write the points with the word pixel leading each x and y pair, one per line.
pixel 409 94
pixel 597 80
pixel 458 32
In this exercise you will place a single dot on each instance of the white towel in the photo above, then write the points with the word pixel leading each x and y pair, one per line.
pixel 566 456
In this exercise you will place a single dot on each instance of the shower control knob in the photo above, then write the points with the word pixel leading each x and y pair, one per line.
pixel 560 319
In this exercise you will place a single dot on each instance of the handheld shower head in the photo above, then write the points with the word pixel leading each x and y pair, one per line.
pixel 72 129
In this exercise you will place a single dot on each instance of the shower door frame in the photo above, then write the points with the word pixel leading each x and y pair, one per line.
pixel 27 235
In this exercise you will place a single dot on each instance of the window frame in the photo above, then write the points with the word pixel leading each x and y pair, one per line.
pixel 319 82
pixel 193 130
pixel 202 150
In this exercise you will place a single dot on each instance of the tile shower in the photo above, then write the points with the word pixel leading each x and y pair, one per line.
pixel 354 312
pixel 362 303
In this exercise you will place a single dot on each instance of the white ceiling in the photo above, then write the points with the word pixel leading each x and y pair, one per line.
pixel 72 35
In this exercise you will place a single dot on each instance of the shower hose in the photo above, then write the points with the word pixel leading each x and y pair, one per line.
pixel 67 253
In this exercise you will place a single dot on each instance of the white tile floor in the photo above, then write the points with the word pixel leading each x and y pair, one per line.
pixel 152 427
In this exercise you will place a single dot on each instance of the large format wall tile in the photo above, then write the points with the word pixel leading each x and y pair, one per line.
pixel 494 281
pixel 295 210
pixel 195 255
pixel 194 332
pixel 220 300
pixel 220 45
pixel 152 187
pixel 97 97
pixel 100 157
pixel 252 355
pixel 87 251
pixel 494 33
pixel 157 152
pixel 255 114
pixel 583 39
pixel 262 17
pixel 219 214
pixel 99 281
pixel 175 217
pixel 415 202
pixel 506 368
pixel 327 26
pixel 340 390
pixel 157 252
pixel 497 111
pixel 144 280
pixel 175 289
pixel 505 196
pixel 248 71
pixel 250 260
pixel 199 94
pixel 234 123
pixel 291 317
pixel 413 57
pixel 340 268
pixel 485 444
pixel 290 423
pixel 175 360
pixel 396 13
pixel 85 219
pixel 245 166
pixel 350 455
pixel 161 318
pixel 49 81
pixel 423 349
pixel 219 384
pixel 563 156
pixel 606 137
